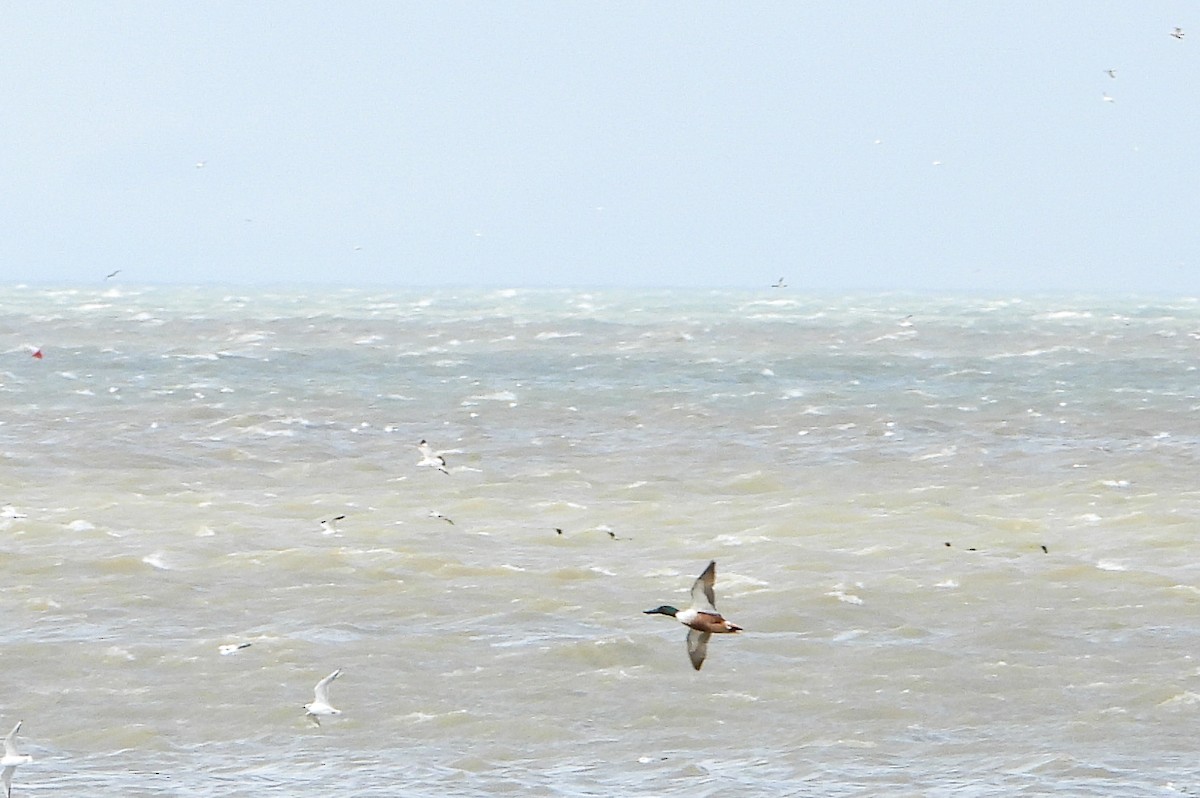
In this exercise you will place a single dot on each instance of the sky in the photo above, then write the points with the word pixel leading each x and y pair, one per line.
pixel 954 147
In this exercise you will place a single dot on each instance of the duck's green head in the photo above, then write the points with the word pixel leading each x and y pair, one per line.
pixel 665 609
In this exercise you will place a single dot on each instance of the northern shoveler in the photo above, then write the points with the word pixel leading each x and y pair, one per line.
pixel 702 619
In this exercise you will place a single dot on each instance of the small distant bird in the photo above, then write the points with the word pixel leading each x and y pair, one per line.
pixel 8 511
pixel 331 524
pixel 436 514
pixel 320 704
pixel 603 529
pixel 1177 33
pixel 702 618
pixel 12 759
pixel 1112 73
pixel 431 458
pixel 112 274
pixel 779 284
pixel 200 164
pixel 1108 99
pixel 231 648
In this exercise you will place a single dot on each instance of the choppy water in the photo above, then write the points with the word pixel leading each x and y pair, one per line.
pixel 167 464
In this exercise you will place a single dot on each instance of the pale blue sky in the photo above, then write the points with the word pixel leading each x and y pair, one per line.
pixel 593 144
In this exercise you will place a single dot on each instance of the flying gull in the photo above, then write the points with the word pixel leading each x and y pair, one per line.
pixel 431 458
pixel 320 704
pixel 12 759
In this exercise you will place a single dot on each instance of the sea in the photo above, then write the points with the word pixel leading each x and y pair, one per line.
pixel 960 534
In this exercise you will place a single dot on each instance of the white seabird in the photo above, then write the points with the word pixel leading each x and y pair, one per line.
pixel 430 458
pixel 320 704
pixel 12 759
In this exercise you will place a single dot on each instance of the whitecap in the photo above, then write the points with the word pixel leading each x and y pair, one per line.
pixel 1039 352
pixel 896 336
pixel 849 634
pixel 419 717
pixel 949 451
pixel 271 433
pixel 1065 314
pixel 849 598
pixel 1186 698
pixel 739 696
pixel 156 560
pixel 738 540
pixel 497 396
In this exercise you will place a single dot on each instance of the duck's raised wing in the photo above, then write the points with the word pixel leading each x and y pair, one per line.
pixel 703 597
